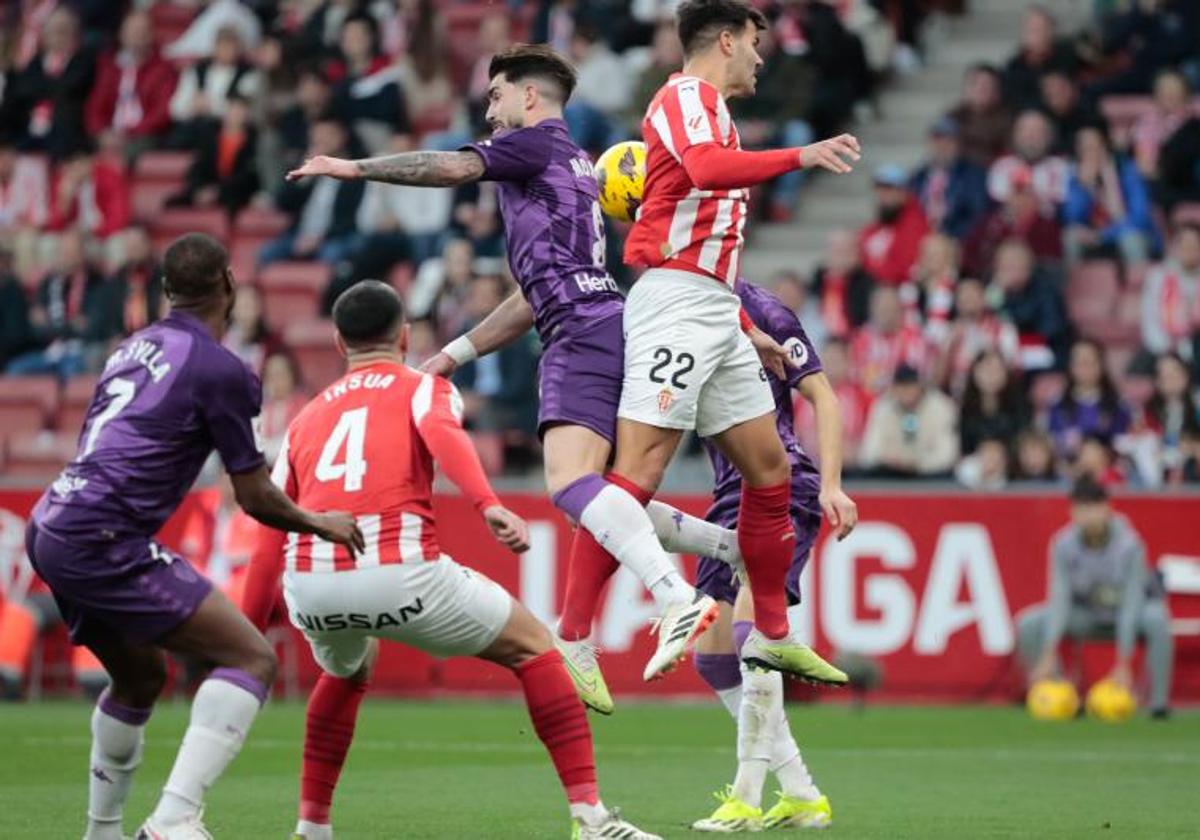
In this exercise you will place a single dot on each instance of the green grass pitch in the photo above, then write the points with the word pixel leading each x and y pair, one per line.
pixel 475 770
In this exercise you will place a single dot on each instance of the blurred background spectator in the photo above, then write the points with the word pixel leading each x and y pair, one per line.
pixel 890 244
pixel 951 188
pixel 911 431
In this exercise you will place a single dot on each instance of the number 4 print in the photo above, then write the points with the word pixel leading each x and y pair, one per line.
pixel 350 432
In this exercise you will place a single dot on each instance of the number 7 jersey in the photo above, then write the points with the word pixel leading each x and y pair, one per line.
pixel 367 445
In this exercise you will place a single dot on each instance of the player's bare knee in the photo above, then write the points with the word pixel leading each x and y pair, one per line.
pixel 140 691
pixel 258 659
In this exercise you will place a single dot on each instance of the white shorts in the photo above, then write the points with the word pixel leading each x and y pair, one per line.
pixel 688 365
pixel 439 607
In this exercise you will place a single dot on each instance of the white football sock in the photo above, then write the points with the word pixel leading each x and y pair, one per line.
pixel 116 754
pixel 686 534
pixel 621 525
pixel 589 814
pixel 731 698
pixel 221 716
pixel 314 831
pixel 758 723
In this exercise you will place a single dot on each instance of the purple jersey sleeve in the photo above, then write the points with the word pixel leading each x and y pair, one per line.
pixel 779 322
pixel 516 156
pixel 229 399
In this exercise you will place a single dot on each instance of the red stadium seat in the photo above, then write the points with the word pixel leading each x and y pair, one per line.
pixel 312 345
pixel 253 229
pixel 1092 291
pixel 170 20
pixel 257 221
pixel 77 396
pixel 27 403
pixel 40 455
pixel 170 167
pixel 171 224
pixel 149 197
pixel 291 291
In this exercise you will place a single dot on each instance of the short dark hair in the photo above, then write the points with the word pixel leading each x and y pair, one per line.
pixel 1088 491
pixel 194 266
pixel 525 61
pixel 700 22
pixel 369 312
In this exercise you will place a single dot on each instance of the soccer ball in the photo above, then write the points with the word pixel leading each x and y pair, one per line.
pixel 1052 700
pixel 621 174
pixel 1110 702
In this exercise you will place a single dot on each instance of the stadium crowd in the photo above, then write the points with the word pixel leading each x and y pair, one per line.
pixel 1025 305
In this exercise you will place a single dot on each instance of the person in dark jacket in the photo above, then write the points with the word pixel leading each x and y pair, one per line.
pixel 16 333
pixel 994 405
pixel 224 172
pixel 842 286
pixel 952 190
pixel 1067 109
pixel 1040 51
pixel 136 290
pixel 1149 36
pixel 1032 299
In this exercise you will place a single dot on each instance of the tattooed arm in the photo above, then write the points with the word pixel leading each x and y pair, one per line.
pixel 420 169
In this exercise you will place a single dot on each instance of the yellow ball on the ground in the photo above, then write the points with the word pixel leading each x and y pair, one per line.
pixel 1052 700
pixel 621 174
pixel 1110 702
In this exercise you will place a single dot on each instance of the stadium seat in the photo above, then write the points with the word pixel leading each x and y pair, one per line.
pixel 77 396
pixel 170 167
pixel 170 20
pixel 27 403
pixel 171 224
pixel 1092 291
pixel 149 198
pixel 257 221
pixel 253 229
pixel 313 347
pixel 40 455
pixel 291 291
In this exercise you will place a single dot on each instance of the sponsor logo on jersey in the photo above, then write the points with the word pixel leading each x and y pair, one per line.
pixel 360 621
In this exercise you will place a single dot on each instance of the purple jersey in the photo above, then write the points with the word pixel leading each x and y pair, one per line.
pixel 549 200
pixel 777 321
pixel 169 395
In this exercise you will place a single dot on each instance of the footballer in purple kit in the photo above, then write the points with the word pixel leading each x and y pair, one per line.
pixel 169 395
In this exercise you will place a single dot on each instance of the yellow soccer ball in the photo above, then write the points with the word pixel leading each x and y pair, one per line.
pixel 1110 702
pixel 1052 700
pixel 621 174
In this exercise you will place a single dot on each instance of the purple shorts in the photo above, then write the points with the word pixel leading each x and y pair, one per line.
pixel 133 589
pixel 717 579
pixel 580 376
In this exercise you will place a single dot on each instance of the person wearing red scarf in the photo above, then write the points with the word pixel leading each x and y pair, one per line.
pixel 1171 296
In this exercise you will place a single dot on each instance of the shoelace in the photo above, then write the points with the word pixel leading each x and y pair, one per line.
pixel 724 795
pixel 584 654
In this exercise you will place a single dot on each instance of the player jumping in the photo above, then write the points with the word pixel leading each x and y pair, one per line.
pixel 690 352
pixel 755 696
pixel 556 246
pixel 169 395
pixel 368 443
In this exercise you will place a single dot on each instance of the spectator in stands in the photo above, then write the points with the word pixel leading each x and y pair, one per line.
pixel 137 287
pixel 1098 460
pixel 777 116
pixel 1179 167
pixel 1100 587
pixel 69 315
pixel 248 336
pixel 1067 110
pixel 495 36
pixel 439 291
pixel 1022 217
pixel 224 172
pixel 976 329
pixel 1090 405
pixel 993 405
pixel 422 343
pixel 987 468
pixel 1171 297
pixel 205 87
pixel 886 343
pixel 1148 36
pixel 1040 51
pixel 928 297
pixel 91 193
pixel 476 217
pixel 24 201
pixel 202 37
pixel 666 57
pixel 889 246
pixel 911 430
pixel 1174 416
pixel 323 28
pixel 45 99
pixel 1108 211
pixel 1035 457
pixel 1048 174
pixel 1172 108
pixel 602 92
pixel 313 102
pixel 282 400
pixel 984 120
pixel 16 333
pixel 500 389
pixel 277 63
pixel 793 292
pixel 366 93
pixel 854 403
pixel 434 105
pixel 324 211
pixel 1031 299
pixel 815 31
pixel 133 89
pixel 951 188
pixel 842 286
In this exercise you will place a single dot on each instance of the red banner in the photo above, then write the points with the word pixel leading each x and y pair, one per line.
pixel 928 585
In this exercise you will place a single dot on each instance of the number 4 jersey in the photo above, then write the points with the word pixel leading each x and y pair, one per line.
pixel 169 395
pixel 367 445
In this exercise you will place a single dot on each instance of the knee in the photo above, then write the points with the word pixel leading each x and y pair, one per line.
pixel 141 691
pixel 520 648
pixel 259 661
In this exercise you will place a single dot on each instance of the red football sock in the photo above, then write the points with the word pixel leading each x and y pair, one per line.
pixel 561 723
pixel 332 712
pixel 767 540
pixel 588 569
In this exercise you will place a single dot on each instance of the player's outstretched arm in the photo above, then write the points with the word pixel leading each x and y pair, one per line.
pixel 417 169
pixel 263 500
pixel 839 509
pixel 504 325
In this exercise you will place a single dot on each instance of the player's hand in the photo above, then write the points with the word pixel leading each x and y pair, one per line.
pixel 440 365
pixel 340 528
pixel 510 530
pixel 773 355
pixel 324 165
pixel 835 154
pixel 840 510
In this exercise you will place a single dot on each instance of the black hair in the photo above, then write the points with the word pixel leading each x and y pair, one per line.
pixel 1156 408
pixel 985 67
pixel 1088 491
pixel 1110 400
pixel 1011 399
pixel 700 22
pixel 194 267
pixel 525 61
pixel 369 312
pixel 372 29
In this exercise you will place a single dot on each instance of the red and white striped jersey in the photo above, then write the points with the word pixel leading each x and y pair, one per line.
pixel 696 229
pixel 359 446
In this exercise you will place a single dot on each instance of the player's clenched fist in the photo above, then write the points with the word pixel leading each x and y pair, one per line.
pixel 325 165
pixel 440 365
pixel 835 154
pixel 340 528
pixel 510 530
